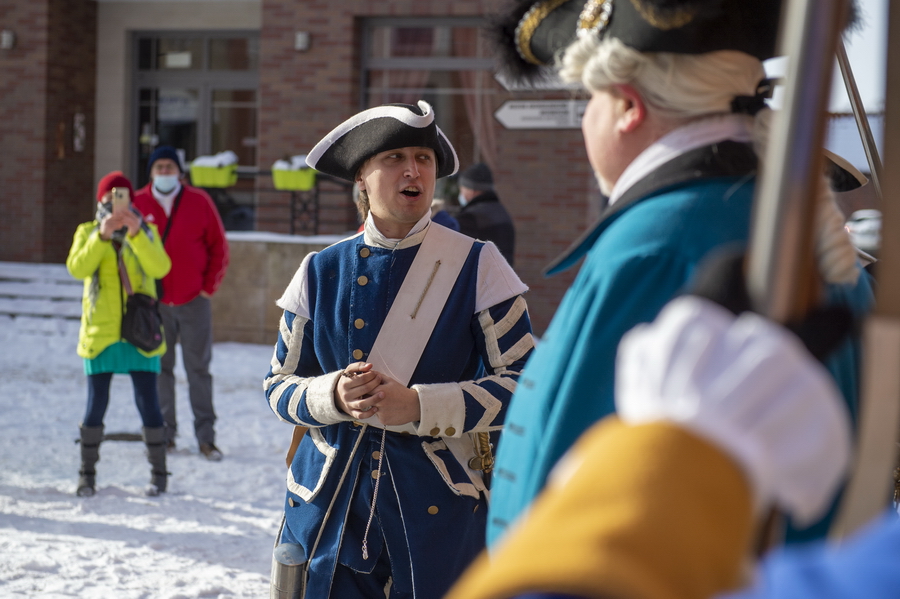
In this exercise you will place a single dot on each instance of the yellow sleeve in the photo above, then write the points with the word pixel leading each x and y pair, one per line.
pixel 86 252
pixel 150 252
pixel 648 512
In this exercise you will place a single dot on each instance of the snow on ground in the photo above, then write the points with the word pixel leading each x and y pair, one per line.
pixel 210 536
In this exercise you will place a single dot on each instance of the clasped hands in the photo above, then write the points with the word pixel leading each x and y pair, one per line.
pixel 362 391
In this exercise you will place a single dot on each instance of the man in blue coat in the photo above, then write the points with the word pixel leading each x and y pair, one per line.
pixel 676 107
pixel 387 492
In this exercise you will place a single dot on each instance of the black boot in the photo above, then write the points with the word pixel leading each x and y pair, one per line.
pixel 91 436
pixel 155 438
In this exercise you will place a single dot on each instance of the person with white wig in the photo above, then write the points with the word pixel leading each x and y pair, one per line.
pixel 676 116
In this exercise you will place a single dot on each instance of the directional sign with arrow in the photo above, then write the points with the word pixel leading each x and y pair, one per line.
pixel 541 114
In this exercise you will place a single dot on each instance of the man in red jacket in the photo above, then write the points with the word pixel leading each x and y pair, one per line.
pixel 194 238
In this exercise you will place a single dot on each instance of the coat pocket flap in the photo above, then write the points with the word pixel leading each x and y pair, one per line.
pixel 451 470
pixel 318 457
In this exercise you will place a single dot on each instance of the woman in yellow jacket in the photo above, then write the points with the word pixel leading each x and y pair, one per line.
pixel 94 258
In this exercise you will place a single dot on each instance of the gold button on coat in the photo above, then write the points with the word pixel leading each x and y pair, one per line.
pixel 364 252
pixel 433 510
pixel 435 432
pixel 359 323
pixel 357 354
pixel 291 501
pixel 450 431
pixel 376 455
pixel 376 474
pixel 363 280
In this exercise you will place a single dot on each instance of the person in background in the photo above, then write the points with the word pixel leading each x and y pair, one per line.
pixel 440 215
pixel 481 215
pixel 194 238
pixel 117 232
pixel 677 110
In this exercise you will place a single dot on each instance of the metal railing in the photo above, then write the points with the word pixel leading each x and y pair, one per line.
pixel 326 208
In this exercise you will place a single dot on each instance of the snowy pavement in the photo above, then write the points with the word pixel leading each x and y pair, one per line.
pixel 210 536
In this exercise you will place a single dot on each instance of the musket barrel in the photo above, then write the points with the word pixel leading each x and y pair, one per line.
pixel 862 120
pixel 781 275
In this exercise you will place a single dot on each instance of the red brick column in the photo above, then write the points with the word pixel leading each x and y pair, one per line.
pixel 44 80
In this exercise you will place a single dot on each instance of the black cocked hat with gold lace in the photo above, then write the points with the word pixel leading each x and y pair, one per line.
pixel 529 34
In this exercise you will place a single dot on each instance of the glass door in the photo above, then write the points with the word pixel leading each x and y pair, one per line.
pixel 167 117
pixel 233 123
pixel 197 92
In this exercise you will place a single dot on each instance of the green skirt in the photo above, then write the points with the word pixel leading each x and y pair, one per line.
pixel 121 358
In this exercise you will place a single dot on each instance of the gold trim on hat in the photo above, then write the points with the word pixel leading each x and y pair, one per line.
pixel 674 20
pixel 529 24
pixel 595 16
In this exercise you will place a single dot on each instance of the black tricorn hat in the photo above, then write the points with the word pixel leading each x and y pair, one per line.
pixel 529 33
pixel 342 152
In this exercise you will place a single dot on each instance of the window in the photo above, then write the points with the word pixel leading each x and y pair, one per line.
pixel 198 52
pixel 195 91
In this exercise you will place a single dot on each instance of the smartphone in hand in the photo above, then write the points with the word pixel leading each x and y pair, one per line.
pixel 121 201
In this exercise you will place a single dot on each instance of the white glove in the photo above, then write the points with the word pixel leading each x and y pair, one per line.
pixel 749 387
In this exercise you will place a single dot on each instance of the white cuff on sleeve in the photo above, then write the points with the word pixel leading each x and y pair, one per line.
pixel 320 399
pixel 443 410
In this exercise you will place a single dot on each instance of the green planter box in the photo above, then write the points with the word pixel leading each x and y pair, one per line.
pixel 299 180
pixel 210 176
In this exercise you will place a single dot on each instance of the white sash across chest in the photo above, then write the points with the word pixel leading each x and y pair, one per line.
pixel 417 307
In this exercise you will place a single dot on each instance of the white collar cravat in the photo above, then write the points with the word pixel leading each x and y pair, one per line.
pixel 374 237
pixel 696 134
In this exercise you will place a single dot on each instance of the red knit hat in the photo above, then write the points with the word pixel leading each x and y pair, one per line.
pixel 113 179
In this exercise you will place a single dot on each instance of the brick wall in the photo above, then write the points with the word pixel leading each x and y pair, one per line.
pixel 23 87
pixel 44 81
pixel 542 176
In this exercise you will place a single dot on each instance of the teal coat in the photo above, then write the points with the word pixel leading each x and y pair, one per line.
pixel 644 252
pixel 103 300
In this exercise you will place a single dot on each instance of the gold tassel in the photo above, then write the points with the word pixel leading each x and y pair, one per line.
pixel 484 456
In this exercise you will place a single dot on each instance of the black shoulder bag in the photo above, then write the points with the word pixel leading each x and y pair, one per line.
pixel 141 322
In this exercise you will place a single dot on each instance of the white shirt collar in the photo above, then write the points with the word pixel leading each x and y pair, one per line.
pixel 375 238
pixel 696 134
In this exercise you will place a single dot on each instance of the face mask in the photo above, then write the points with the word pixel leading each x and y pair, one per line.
pixel 462 199
pixel 165 183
